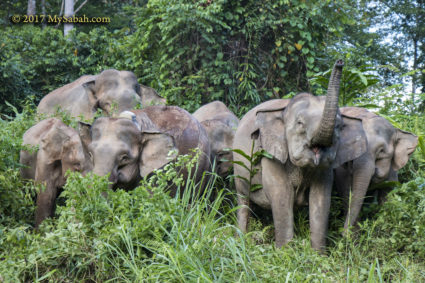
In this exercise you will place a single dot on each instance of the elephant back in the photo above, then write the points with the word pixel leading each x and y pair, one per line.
pixel 187 132
pixel 180 124
pixel 357 113
pixel 210 110
pixel 77 83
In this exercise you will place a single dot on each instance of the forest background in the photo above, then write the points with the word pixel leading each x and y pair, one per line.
pixel 194 52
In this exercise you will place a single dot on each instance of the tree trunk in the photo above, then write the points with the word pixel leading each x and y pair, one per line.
pixel 415 66
pixel 43 11
pixel 31 7
pixel 69 12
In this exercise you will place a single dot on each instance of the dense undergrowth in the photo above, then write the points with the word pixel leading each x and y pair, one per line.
pixel 145 235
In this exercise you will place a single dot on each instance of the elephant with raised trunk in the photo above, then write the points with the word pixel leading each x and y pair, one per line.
pixel 306 138
pixel 109 91
pixel 59 149
pixel 220 124
pixel 133 147
pixel 388 150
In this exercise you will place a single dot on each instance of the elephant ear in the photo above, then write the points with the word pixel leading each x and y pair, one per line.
pixel 84 130
pixel 405 145
pixel 91 90
pixel 155 149
pixel 270 131
pixel 352 141
pixel 53 142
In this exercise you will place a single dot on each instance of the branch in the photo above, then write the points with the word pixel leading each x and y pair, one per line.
pixel 61 12
pixel 62 6
pixel 81 6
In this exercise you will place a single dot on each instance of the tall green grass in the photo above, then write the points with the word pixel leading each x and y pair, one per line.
pixel 144 235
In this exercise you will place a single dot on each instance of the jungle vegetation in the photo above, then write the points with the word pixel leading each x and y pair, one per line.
pixel 194 52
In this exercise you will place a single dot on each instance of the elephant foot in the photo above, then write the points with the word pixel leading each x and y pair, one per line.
pixel 279 243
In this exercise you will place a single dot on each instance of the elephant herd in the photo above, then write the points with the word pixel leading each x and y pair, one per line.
pixel 312 146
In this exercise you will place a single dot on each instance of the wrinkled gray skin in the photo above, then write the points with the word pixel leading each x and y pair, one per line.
pixel 303 135
pixel 59 149
pixel 111 90
pixel 388 150
pixel 130 150
pixel 220 124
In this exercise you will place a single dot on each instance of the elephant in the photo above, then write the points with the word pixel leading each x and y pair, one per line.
pixel 304 139
pixel 220 124
pixel 59 149
pixel 388 150
pixel 132 147
pixel 109 89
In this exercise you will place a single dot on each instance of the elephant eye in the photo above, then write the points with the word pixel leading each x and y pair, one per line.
pixel 124 158
pixel 91 156
pixel 381 153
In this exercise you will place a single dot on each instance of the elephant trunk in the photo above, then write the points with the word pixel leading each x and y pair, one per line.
pixel 104 170
pixel 324 134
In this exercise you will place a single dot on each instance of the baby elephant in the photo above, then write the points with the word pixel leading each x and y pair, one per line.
pixel 59 149
pixel 220 124
pixel 388 150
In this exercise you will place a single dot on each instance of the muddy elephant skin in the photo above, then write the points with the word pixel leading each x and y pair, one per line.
pixel 132 148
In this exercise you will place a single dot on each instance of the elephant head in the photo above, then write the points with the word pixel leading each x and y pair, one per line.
pixel 221 137
pixel 307 129
pixel 388 150
pixel 63 144
pixel 391 149
pixel 114 91
pixel 59 149
pixel 126 149
pixel 220 124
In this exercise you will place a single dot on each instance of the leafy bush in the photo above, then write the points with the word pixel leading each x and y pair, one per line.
pixel 239 52
pixel 400 225
pixel 35 61
pixel 16 197
pixel 145 235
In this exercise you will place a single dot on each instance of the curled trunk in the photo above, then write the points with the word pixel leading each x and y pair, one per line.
pixel 323 135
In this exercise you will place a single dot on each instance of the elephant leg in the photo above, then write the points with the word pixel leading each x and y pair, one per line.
pixel 281 196
pixel 319 205
pixel 243 212
pixel 343 182
pixel 363 170
pixel 45 203
pixel 242 189
pixel 50 175
pixel 382 193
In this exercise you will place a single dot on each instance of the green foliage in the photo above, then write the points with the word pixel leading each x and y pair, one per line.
pixel 355 82
pixel 254 158
pixel 193 52
pixel 16 197
pixel 238 52
pixel 401 221
pixel 37 61
pixel 145 235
